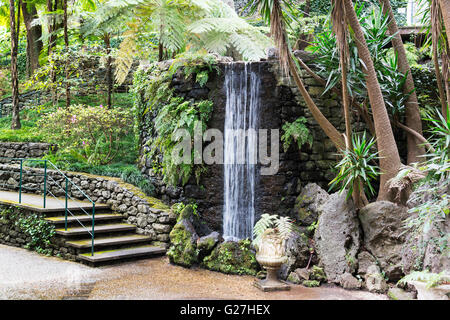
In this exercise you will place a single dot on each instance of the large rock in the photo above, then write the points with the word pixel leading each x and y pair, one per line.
pixel 337 237
pixel 383 223
pixel 207 243
pixel 308 202
pixel 233 258
pixel 375 281
pixel 297 252
pixel 183 244
pixel 424 248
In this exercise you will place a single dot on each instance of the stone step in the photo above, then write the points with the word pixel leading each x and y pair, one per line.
pixel 84 218
pixel 110 241
pixel 111 255
pixel 107 228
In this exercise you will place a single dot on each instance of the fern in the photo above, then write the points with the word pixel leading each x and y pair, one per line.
pixel 284 226
pixel 431 279
pixel 296 131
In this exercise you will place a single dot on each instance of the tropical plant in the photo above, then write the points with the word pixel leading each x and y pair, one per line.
pixel 283 226
pixel 438 162
pixel 412 113
pixel 296 131
pixel 178 25
pixel 356 170
pixel 431 279
pixel 387 147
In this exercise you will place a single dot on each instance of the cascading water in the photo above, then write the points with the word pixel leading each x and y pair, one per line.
pixel 240 150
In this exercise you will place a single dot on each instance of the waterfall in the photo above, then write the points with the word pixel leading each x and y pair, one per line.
pixel 240 150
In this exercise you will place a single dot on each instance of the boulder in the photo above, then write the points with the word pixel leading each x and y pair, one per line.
pixel 294 278
pixel 382 223
pixel 365 260
pixel 347 281
pixel 207 243
pixel 297 252
pixel 233 258
pixel 400 294
pixel 183 244
pixel 308 202
pixel 337 237
pixel 375 281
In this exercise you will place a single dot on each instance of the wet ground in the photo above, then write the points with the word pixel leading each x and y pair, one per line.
pixel 28 275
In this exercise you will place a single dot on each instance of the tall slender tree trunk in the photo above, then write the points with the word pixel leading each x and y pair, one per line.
pixel 436 29
pixel 387 147
pixel 109 83
pixel 66 43
pixel 412 113
pixel 445 9
pixel 15 123
pixel 34 34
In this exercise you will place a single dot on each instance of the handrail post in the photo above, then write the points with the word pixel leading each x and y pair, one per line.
pixel 93 225
pixel 45 182
pixel 20 181
pixel 65 223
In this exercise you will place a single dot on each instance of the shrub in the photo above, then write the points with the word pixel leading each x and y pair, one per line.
pixel 90 134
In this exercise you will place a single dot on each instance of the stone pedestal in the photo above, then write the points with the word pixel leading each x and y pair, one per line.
pixel 271 282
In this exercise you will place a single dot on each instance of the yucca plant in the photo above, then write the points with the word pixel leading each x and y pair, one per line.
pixel 356 172
pixel 284 226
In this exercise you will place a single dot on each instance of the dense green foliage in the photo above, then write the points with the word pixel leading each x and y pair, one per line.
pixel 296 131
pixel 357 166
pixel 173 113
pixel 38 231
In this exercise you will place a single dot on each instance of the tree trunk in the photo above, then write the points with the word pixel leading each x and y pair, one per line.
pixel 66 43
pixel 34 33
pixel 445 9
pixel 412 113
pixel 323 122
pixel 15 123
pixel 108 69
pixel 387 147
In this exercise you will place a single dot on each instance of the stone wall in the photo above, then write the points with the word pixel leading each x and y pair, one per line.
pixel 11 233
pixel 24 150
pixel 151 216
pixel 280 103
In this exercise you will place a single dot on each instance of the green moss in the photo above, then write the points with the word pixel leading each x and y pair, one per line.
pixel 318 274
pixel 183 250
pixel 311 283
pixel 233 258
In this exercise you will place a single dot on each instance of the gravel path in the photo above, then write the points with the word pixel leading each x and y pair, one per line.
pixel 28 275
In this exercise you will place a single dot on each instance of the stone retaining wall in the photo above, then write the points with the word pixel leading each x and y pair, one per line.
pixel 13 235
pixel 24 150
pixel 150 215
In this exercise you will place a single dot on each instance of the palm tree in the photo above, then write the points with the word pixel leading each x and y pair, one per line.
pixel 439 45
pixel 445 9
pixel 15 124
pixel 272 12
pixel 412 113
pixel 387 147
pixel 338 18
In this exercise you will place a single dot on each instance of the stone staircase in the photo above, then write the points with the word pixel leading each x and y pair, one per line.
pixel 114 240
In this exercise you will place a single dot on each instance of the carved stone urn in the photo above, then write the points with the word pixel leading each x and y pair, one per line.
pixel 270 255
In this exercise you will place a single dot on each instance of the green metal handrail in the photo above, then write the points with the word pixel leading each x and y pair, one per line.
pixel 66 192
